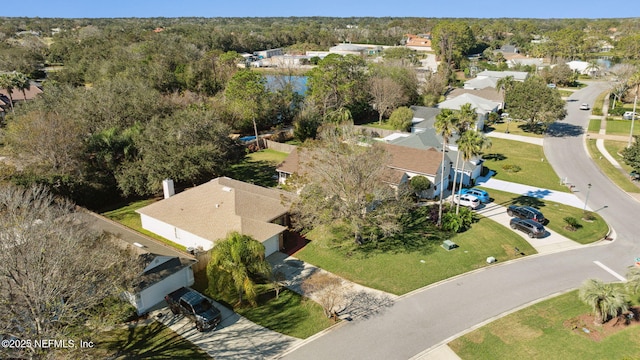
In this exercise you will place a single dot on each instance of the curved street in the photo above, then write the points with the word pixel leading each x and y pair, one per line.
pixel 431 316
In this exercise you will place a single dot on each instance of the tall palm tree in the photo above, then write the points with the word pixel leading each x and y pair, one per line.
pixel 21 82
pixel 605 299
pixel 466 116
pixel 446 123
pixel 235 263
pixel 504 85
pixel 7 83
pixel 634 80
pixel 470 144
pixel 593 68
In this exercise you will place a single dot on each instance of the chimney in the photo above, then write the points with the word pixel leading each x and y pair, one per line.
pixel 167 188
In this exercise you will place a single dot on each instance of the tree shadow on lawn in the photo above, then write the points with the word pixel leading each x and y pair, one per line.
pixel 494 157
pixel 261 173
pixel 523 200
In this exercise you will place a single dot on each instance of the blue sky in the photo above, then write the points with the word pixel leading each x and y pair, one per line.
pixel 334 8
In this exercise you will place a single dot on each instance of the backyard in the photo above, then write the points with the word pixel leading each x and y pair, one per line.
pixel 522 163
pixel 558 328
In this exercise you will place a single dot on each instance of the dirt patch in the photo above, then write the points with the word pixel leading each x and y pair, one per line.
pixel 584 325
pixel 514 331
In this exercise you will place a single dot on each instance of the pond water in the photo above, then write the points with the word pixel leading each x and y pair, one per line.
pixel 275 82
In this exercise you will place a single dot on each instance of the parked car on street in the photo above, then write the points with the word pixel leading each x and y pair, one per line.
pixel 629 114
pixel 467 200
pixel 195 306
pixel 482 195
pixel 526 212
pixel 528 226
pixel 584 106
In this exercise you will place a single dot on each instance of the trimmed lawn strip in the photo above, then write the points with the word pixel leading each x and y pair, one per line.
pixel 128 217
pixel 515 128
pixel 535 170
pixel 555 213
pixel 622 127
pixel 617 176
pixel 153 341
pixel 404 271
pixel 290 314
pixel 594 125
pixel 538 332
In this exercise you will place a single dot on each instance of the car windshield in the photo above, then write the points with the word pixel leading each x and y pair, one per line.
pixel 202 306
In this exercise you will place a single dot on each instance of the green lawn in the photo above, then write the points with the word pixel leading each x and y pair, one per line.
pixel 153 341
pixel 375 124
pixel 290 314
pixel 618 177
pixel 614 148
pixel 555 213
pixel 400 272
pixel 622 127
pixel 535 170
pixel 127 216
pixel 515 128
pixel 547 330
pixel 259 168
pixel 594 125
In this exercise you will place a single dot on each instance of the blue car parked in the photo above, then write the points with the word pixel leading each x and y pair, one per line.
pixel 482 195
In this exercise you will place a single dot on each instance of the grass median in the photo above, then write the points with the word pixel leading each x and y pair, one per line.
pixel 588 232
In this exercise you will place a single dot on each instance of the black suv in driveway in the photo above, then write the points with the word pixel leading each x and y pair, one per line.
pixel 526 212
pixel 528 226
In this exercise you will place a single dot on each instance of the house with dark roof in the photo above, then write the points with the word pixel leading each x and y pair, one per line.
pixel 161 276
pixel 198 217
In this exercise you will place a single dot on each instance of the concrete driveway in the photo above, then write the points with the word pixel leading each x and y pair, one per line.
pixel 234 338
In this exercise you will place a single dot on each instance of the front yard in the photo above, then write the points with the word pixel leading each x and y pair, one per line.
pixel 552 329
pixel 521 163
pixel 402 271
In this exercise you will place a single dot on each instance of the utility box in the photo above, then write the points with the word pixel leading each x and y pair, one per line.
pixel 449 245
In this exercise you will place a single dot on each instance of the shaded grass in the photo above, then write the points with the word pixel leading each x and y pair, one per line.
pixel 617 176
pixel 622 127
pixel 127 216
pixel 403 271
pixel 535 169
pixel 258 168
pixel 153 341
pixel 555 213
pixel 515 128
pixel 290 314
pixel 538 332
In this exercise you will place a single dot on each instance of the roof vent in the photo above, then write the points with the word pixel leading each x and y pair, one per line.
pixel 217 206
pixel 227 189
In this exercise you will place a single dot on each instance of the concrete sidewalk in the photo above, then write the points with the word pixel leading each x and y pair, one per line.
pixel 521 138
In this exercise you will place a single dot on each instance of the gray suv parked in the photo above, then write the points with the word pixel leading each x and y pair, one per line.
pixel 530 227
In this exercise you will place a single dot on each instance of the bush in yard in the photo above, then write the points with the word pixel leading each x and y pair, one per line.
pixel 511 168
pixel 588 216
pixel 457 222
pixel 572 223
pixel 597 111
pixel 400 119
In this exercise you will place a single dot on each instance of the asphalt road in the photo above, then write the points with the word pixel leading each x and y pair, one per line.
pixel 430 316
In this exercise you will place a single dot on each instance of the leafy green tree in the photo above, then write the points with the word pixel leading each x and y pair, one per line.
pixel 631 155
pixel 306 124
pixel 248 98
pixel 190 146
pixel 419 184
pixel 629 47
pixel 401 118
pixel 337 83
pixel 604 299
pixel 237 262
pixel 446 124
pixel 402 53
pixel 7 82
pixel 452 39
pixel 533 102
